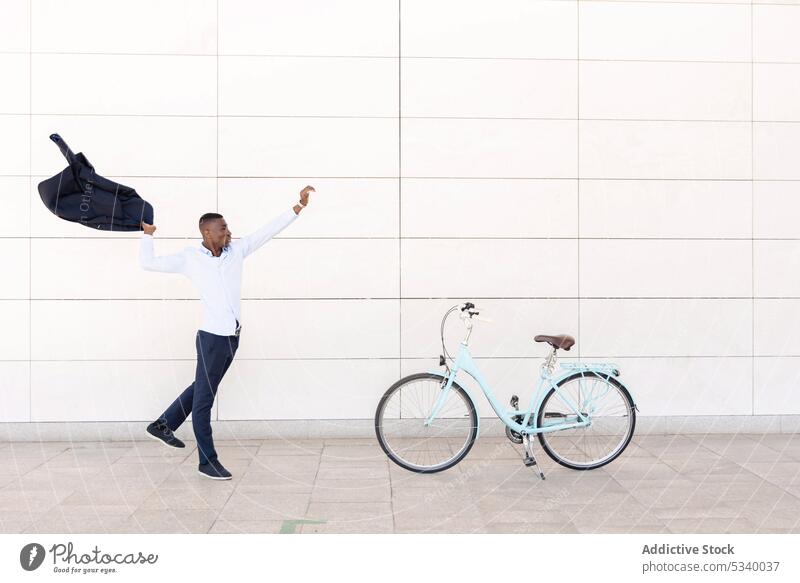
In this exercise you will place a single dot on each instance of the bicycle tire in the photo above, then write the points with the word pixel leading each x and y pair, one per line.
pixel 631 410
pixel 380 424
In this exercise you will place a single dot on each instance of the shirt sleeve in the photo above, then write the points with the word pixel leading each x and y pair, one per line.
pixel 166 263
pixel 256 239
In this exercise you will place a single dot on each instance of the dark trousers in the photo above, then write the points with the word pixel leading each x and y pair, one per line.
pixel 214 355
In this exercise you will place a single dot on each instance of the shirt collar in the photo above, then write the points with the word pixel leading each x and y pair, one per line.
pixel 208 252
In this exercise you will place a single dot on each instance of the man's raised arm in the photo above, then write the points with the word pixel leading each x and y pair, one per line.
pixel 166 263
pixel 256 239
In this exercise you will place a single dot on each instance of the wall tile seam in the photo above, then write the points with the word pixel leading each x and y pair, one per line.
pixel 414 298
pixel 620 120
pixel 476 356
pixel 452 178
pixel 442 57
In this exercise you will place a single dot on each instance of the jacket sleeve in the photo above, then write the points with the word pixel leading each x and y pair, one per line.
pixel 167 263
pixel 256 239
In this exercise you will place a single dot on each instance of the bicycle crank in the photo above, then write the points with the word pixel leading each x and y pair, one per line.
pixel 512 435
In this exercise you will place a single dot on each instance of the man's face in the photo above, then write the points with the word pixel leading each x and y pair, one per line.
pixel 217 232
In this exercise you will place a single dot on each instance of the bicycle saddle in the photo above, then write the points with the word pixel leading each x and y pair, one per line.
pixel 564 341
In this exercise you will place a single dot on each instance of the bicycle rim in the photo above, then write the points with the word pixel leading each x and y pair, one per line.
pixel 403 435
pixel 605 403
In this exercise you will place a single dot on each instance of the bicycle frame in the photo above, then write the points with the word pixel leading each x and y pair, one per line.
pixel 546 382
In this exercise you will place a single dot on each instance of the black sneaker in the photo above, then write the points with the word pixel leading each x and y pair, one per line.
pixel 214 470
pixel 159 430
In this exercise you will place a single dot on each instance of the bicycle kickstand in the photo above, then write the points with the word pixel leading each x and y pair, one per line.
pixel 530 459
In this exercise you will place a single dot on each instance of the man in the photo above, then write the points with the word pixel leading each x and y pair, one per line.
pixel 215 268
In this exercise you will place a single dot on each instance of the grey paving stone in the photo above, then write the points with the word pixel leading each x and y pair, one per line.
pixel 190 521
pixel 101 497
pixel 16 521
pixel 265 505
pixel 350 441
pixel 92 510
pixel 284 464
pixel 524 516
pixel 155 472
pixel 14 525
pixel 223 526
pixel 290 447
pixel 697 509
pixel 658 471
pixel 370 490
pixel 32 501
pixel 494 449
pixel 369 526
pixel 350 512
pixel 64 522
pixel 276 489
pixel 82 457
pixel 186 498
pixel 711 525
pixel 378 470
pixel 781 473
pixel 464 521
pixel 662 483
pixel 656 528
pixel 300 482
pixel 531 528
pixel 48 448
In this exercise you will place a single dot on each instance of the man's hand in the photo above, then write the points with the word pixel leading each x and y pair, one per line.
pixel 148 229
pixel 304 194
pixel 303 198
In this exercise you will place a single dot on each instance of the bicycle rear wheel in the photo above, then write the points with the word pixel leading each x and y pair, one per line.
pixel 602 400
pixel 402 434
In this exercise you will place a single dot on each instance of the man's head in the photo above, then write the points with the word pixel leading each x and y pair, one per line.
pixel 214 230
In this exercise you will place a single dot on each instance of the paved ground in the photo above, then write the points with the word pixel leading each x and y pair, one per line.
pixel 713 483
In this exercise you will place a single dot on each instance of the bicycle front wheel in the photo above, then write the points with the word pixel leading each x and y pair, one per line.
pixel 609 407
pixel 408 441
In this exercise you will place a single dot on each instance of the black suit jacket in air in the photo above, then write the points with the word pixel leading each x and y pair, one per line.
pixel 79 195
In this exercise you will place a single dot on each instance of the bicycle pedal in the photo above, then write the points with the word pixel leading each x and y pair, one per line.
pixel 529 461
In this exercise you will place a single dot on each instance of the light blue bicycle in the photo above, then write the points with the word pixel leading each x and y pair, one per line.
pixel 583 415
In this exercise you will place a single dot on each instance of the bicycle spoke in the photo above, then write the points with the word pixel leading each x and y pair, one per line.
pixel 603 404
pixel 402 429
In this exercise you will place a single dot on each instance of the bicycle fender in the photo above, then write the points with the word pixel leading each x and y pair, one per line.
pixel 438 373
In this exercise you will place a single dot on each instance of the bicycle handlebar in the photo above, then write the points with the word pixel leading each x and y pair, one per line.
pixel 469 310
pixel 468 313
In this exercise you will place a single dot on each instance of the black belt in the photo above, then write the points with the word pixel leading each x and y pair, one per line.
pixel 238 328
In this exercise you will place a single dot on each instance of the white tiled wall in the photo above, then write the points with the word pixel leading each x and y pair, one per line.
pixel 624 171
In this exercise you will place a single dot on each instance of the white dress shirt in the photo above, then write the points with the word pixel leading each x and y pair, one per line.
pixel 218 279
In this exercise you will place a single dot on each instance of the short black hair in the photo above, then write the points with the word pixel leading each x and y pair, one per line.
pixel 208 217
